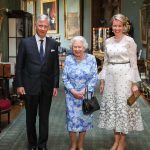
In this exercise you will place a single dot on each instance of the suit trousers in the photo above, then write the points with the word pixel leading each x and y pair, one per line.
pixel 37 104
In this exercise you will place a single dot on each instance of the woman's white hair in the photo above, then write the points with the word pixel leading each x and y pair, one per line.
pixel 79 39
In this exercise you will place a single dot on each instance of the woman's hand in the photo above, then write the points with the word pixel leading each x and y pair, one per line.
pixel 83 91
pixel 135 89
pixel 101 87
pixel 78 94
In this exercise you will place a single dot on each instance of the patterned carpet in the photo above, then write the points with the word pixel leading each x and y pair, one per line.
pixel 14 137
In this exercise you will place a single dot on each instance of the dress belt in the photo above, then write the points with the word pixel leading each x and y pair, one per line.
pixel 114 63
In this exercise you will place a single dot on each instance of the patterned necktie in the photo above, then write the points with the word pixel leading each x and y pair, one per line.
pixel 41 50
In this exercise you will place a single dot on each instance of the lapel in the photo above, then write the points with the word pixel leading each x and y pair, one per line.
pixel 35 48
pixel 47 48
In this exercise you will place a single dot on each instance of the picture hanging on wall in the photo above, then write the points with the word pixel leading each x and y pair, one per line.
pixel 73 18
pixel 50 8
pixel 148 44
pixel 143 25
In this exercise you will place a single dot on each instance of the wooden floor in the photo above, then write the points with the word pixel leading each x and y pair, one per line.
pixel 15 110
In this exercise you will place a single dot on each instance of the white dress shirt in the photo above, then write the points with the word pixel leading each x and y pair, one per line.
pixel 38 41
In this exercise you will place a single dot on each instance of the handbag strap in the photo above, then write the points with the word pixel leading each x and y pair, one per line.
pixel 87 92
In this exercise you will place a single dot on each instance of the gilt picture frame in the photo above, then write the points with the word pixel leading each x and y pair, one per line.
pixel 148 44
pixel 50 8
pixel 73 18
pixel 143 25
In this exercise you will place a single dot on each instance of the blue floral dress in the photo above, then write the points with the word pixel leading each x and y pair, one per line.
pixel 77 75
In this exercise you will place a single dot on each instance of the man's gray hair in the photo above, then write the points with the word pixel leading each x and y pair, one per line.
pixel 43 17
pixel 79 39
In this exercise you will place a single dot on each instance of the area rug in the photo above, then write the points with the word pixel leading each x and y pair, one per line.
pixel 14 137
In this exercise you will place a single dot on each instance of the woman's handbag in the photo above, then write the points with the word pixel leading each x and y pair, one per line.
pixel 90 105
pixel 132 99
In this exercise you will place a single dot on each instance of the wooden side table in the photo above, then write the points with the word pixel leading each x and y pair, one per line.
pixel 61 61
pixel 99 58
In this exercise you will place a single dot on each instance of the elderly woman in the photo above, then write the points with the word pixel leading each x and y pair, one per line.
pixel 80 71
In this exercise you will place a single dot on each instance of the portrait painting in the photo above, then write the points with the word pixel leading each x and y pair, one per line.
pixel 104 10
pixel 49 7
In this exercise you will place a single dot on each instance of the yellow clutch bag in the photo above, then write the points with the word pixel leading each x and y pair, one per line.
pixel 132 99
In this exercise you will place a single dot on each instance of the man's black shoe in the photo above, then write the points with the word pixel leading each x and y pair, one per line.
pixel 32 148
pixel 42 149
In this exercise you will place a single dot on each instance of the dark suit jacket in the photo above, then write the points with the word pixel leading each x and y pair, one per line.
pixel 31 73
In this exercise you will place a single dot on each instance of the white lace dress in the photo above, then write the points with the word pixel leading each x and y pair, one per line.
pixel 115 114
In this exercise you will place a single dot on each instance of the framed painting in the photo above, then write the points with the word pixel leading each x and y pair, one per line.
pixel 148 32
pixel 103 10
pixel 31 7
pixel 50 8
pixel 148 44
pixel 143 25
pixel 73 18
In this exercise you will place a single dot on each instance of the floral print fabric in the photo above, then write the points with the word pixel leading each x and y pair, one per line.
pixel 77 75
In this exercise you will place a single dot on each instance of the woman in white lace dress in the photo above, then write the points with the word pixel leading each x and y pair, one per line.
pixel 118 80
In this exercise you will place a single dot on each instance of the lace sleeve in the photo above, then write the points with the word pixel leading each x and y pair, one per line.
pixel 132 50
pixel 102 74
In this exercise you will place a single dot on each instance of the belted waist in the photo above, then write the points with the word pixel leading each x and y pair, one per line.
pixel 114 63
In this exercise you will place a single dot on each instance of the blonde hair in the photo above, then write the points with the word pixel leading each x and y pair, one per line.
pixel 121 18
